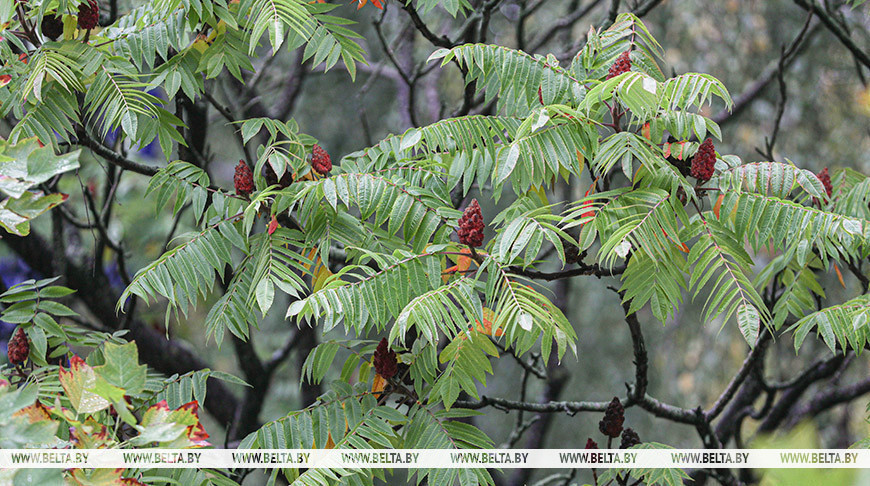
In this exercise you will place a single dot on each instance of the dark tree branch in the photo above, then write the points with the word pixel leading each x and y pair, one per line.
pixel 839 32
pixel 292 90
pixel 280 355
pixel 562 24
pixel 748 365
pixel 113 157
pixel 527 367
pixel 791 395
pixel 525 12
pixel 582 269
pixel 247 417
pixel 827 399
pixel 421 26
pixel 227 114
pixel 742 101
pixel 770 142
pixel 646 8
pixel 641 361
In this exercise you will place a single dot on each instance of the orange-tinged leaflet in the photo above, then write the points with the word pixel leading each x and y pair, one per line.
pixel 378 383
pixel 718 205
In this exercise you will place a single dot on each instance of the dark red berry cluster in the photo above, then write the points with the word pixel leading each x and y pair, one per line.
pixel 471 225
pixel 89 14
pixel 611 426
pixel 18 348
pixel 243 180
pixel 622 64
pixel 629 438
pixel 320 160
pixel 614 417
pixel 52 26
pixel 385 360
pixel 825 177
pixel 704 162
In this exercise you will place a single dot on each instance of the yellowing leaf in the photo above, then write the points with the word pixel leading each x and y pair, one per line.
pixel 378 383
pixel 321 275
pixel 718 205
pixel 78 380
pixel 463 263
pixel 486 328
pixel 839 275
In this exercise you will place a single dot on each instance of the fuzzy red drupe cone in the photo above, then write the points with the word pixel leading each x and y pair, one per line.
pixel 622 64
pixel 89 14
pixel 386 363
pixel 629 438
pixel 471 225
pixel 19 347
pixel 704 162
pixel 320 160
pixel 52 26
pixel 825 177
pixel 243 180
pixel 614 417
pixel 591 444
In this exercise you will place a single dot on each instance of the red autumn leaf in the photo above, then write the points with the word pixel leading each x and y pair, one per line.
pixel 5 79
pixel 839 275
pixel 376 3
pixel 679 155
pixel 645 131
pixel 588 204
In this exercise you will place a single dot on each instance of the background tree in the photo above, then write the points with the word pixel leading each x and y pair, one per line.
pixel 570 124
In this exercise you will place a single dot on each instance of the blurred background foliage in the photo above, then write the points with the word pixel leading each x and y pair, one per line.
pixel 826 123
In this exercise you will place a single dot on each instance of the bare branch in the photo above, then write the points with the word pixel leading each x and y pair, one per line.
pixel 742 101
pixel 749 363
pixel 839 32
pixel 113 157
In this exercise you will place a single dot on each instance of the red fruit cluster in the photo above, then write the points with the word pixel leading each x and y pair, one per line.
pixel 243 180
pixel 629 438
pixel 386 363
pixel 621 65
pixel 825 177
pixel 89 14
pixel 704 162
pixel 614 417
pixel 52 26
pixel 18 347
pixel 320 160
pixel 471 225
pixel 591 444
